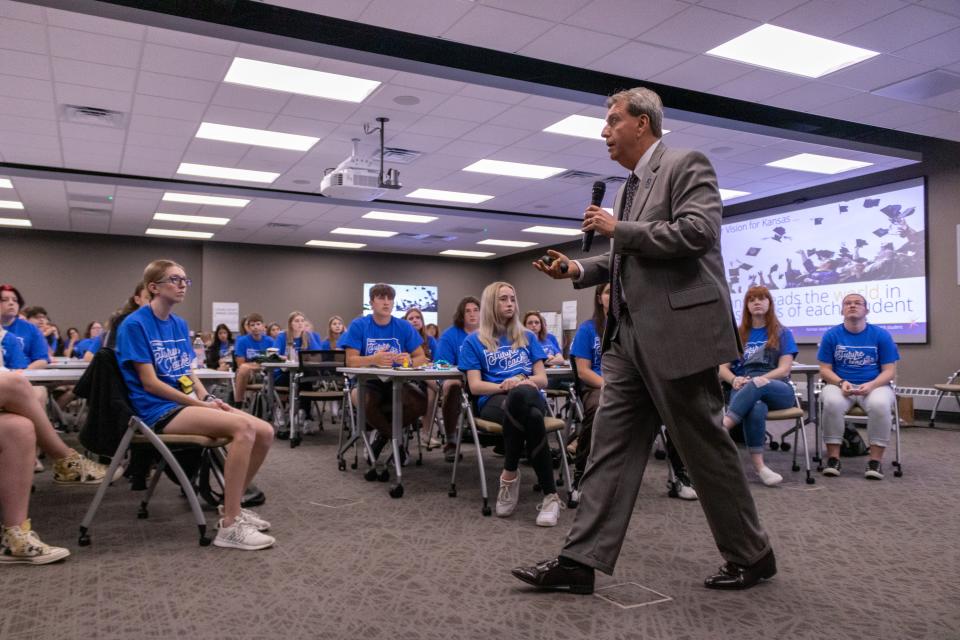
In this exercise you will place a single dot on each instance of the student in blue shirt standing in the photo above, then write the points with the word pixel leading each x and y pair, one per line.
pixel 466 320
pixel 759 379
pixel 381 340
pixel 251 345
pixel 154 353
pixel 32 342
pixel 504 367
pixel 858 361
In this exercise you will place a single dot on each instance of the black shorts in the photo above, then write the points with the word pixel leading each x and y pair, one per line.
pixel 166 419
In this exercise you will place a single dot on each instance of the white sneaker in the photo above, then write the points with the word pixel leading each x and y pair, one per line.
pixel 769 477
pixel 508 496
pixel 250 517
pixel 242 535
pixel 549 510
pixel 37 466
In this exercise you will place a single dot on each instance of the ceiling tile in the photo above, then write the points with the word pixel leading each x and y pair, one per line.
pixel 492 93
pixel 757 85
pixel 167 86
pixel 697 30
pixel 23 36
pixel 874 73
pixel 93 97
pixel 494 134
pixel 28 125
pixel 829 18
pixel 232 95
pixel 762 10
pixel 236 117
pixel 90 74
pixel 184 62
pixel 472 150
pixel 28 65
pixel 417 81
pixel 945 126
pixel 702 73
pixel 902 115
pixel 161 125
pixel 551 142
pixel 20 11
pixel 546 9
pixel 856 106
pixel 150 140
pixel 496 29
pixel 426 17
pixel 554 45
pixel 91 132
pixel 626 18
pixel 439 126
pixel 41 109
pixel 28 88
pixel 386 94
pixel 301 126
pixel 417 142
pixel 91 47
pixel 809 96
pixel 640 60
pixel 469 109
pixel 191 41
pixel 938 51
pixel 95 24
pixel 526 118
pixel 948 6
pixel 157 106
pixel 901 28
pixel 307 107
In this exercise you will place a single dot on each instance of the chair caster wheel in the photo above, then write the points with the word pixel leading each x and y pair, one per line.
pixel 397 491
pixel 784 446
pixel 341 465
pixel 486 511
pixel 371 474
pixel 898 473
pixel 453 492
pixel 419 463
pixel 295 442
pixel 795 468
pixel 660 454
pixel 384 476
pixel 283 435
pixel 84 539
pixel 572 504
pixel 810 481
pixel 142 514
pixel 205 541
pixel 353 465
pixel 774 446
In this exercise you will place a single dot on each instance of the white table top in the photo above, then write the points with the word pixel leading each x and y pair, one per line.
pixel 68 363
pixel 286 364
pixel 805 368
pixel 72 375
pixel 416 374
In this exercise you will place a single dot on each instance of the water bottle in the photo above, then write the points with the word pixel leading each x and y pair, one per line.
pixel 199 353
pixel 293 356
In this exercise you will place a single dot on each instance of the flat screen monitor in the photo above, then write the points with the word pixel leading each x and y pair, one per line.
pixel 810 255
pixel 420 296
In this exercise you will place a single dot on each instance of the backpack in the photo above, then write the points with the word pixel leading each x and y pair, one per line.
pixel 852 445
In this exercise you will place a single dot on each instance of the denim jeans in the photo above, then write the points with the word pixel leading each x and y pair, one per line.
pixel 750 405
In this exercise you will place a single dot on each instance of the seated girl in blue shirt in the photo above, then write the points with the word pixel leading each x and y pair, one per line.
pixel 533 321
pixel 415 317
pixel 154 353
pixel 220 351
pixel 504 367
pixel 760 377
pixel 335 329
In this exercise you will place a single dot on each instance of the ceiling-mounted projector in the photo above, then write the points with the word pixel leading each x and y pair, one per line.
pixel 359 178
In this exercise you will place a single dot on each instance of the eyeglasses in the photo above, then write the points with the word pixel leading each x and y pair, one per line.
pixel 177 281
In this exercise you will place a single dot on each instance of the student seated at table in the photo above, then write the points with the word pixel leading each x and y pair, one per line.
pixel 586 356
pixel 87 347
pixel 31 340
pixel 335 330
pixel 415 317
pixel 220 351
pixel 19 414
pixel 504 367
pixel 252 345
pixel 67 345
pixel 466 320
pixel 533 321
pixel 154 353
pixel 134 302
pixel 381 340
pixel 38 317
pixel 433 331
pixel 760 378
pixel 69 467
pixel 273 330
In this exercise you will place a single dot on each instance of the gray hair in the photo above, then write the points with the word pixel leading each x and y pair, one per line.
pixel 641 101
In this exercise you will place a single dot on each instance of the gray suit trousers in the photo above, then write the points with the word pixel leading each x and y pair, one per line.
pixel 631 408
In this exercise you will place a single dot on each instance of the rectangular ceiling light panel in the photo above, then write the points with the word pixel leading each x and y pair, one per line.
pixel 226 173
pixel 11 204
pixel 256 137
pixel 307 82
pixel 399 217
pixel 507 243
pixel 176 233
pixel 730 194
pixel 815 163
pixel 791 51
pixel 369 233
pixel 448 196
pixel 467 254
pixel 177 217
pixel 5 184
pixel 216 201
pixel 514 169
pixel 579 126
pixel 335 245
pixel 15 222
pixel 553 231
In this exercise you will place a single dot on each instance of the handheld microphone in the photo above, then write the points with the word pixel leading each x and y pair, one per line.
pixel 599 189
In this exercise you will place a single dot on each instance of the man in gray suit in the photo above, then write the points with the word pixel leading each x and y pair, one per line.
pixel 669 326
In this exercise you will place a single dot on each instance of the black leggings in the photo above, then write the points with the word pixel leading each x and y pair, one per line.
pixel 521 412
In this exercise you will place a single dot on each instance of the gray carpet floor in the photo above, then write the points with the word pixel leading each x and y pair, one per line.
pixel 857 559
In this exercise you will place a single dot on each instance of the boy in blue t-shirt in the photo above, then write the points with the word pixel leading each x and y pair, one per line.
pixel 32 342
pixel 381 340
pixel 248 347
pixel 857 362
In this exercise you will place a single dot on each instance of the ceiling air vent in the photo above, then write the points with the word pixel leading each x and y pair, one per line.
pixel 578 177
pixel 96 213
pixel 426 237
pixel 94 115
pixel 396 155
pixel 282 225
pixel 467 230
pixel 614 179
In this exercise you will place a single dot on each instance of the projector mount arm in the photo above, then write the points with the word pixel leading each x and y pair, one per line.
pixel 392 178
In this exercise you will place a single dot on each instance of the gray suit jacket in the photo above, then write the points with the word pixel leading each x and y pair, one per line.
pixel 671 267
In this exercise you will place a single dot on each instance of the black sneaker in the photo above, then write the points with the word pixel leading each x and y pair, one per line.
pixel 874 471
pixel 833 467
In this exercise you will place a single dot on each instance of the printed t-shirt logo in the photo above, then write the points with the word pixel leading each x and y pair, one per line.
pixel 855 356
pixel 508 360
pixel 751 348
pixel 168 358
pixel 376 345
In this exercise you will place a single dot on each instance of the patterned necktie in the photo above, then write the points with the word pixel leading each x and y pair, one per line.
pixel 616 290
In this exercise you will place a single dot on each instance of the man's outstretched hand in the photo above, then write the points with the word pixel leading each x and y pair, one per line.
pixel 558 266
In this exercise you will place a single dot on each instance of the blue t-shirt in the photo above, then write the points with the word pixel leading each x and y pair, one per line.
pixel 757 359
pixel 248 348
pixel 505 362
pixel 53 342
pixel 550 346
pixel 448 347
pixel 12 348
pixel 857 357
pixel 31 339
pixel 586 345
pixel 367 337
pixel 225 348
pixel 89 344
pixel 433 345
pixel 143 337
pixel 326 346
pixel 313 343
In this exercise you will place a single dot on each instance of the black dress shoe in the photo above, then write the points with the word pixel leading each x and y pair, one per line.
pixel 551 575
pixel 735 576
